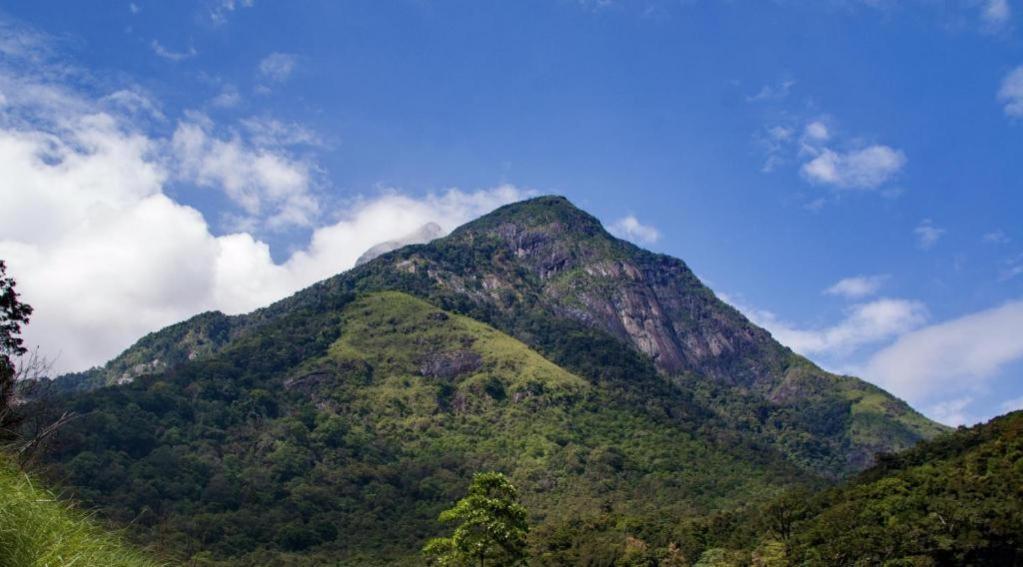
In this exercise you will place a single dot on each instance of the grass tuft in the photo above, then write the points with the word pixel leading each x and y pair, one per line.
pixel 38 530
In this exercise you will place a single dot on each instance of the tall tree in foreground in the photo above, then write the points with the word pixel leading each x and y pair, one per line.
pixel 13 314
pixel 493 527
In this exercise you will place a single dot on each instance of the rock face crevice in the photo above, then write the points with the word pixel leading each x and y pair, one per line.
pixel 653 302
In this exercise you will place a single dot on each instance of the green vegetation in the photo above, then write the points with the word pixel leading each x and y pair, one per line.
pixel 956 500
pixel 492 531
pixel 38 530
pixel 341 435
pixel 336 425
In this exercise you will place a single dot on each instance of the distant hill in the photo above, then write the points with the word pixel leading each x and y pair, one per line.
pixel 604 379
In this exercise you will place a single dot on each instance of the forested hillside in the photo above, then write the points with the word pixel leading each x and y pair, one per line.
pixel 957 500
pixel 612 387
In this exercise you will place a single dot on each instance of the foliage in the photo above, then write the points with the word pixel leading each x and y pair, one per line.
pixel 336 424
pixel 956 500
pixel 38 530
pixel 321 436
pixel 13 314
pixel 492 527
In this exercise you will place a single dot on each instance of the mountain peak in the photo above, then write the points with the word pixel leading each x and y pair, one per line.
pixel 555 212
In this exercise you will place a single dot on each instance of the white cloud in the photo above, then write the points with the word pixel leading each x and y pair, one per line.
pixel 134 8
pixel 927 235
pixel 779 91
pixel 630 228
pixel 1011 93
pixel 866 168
pixel 995 15
pixel 960 355
pixel 1012 267
pixel 816 131
pixel 172 55
pixel 277 67
pixel 951 412
pixel 227 98
pixel 220 9
pixel 105 254
pixel 265 184
pixel 864 324
pixel 857 286
pixel 134 102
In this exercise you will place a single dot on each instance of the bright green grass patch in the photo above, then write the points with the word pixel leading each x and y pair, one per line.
pixel 38 530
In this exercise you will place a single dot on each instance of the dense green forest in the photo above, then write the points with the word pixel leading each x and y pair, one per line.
pixel 336 426
pixel 355 453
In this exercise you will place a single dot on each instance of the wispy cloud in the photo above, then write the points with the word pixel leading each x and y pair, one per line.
pixel 927 234
pixel 1011 93
pixel 857 286
pixel 996 237
pixel 778 91
pixel 219 10
pixel 951 412
pixel 630 228
pixel 170 55
pixel 863 324
pixel 995 15
pixel 960 355
pixel 277 67
pixel 866 168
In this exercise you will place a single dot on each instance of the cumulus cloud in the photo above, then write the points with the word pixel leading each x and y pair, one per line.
pixel 264 183
pixel 105 254
pixel 1011 93
pixel 851 166
pixel 958 355
pixel 857 286
pixel 864 324
pixel 630 228
pixel 277 67
pixel 866 168
pixel 171 55
pixel 927 234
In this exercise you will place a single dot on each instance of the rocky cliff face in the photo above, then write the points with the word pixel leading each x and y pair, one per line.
pixel 652 301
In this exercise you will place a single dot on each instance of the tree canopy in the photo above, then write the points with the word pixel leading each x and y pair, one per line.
pixel 493 526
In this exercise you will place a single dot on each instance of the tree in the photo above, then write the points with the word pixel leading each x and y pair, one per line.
pixel 13 314
pixel 493 526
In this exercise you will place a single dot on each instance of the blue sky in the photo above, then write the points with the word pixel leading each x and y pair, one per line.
pixel 846 172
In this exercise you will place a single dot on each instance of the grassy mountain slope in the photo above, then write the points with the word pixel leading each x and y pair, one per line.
pixel 37 530
pixel 542 269
pixel 549 274
pixel 341 432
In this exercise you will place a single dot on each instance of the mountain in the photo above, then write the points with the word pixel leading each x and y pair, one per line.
pixel 606 380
